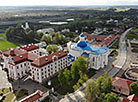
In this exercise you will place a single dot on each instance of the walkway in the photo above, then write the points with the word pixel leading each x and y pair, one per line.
pixel 4 79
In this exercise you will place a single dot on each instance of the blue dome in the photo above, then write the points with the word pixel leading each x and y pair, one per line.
pixel 82 35
pixel 82 44
pixel 85 54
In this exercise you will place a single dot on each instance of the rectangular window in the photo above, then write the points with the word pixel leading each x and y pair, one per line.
pixel 24 64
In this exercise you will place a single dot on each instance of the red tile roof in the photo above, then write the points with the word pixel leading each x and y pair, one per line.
pixel 13 52
pixel 131 98
pixel 24 57
pixel 121 83
pixel 100 40
pixel 44 60
pixel 33 97
pixel 126 100
pixel 29 47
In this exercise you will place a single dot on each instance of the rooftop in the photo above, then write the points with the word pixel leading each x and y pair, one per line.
pixel 122 83
pixel 33 97
pixel 131 98
pixel 44 60
pixel 99 40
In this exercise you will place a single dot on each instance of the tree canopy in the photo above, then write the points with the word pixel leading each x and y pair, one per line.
pixel 52 48
pixel 91 91
pixel 134 88
pixel 111 98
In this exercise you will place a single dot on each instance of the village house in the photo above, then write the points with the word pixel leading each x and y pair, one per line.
pixel 37 96
pixel 121 85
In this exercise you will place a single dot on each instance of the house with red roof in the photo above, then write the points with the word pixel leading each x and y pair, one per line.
pixel 37 96
pixel 26 59
pixel 100 40
pixel 131 98
pixel 121 85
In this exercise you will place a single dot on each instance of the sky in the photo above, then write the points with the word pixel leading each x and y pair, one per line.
pixel 66 2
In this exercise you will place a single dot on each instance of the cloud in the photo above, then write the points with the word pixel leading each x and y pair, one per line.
pixel 66 2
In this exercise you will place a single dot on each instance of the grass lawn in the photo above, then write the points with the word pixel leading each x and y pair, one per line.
pixel 135 30
pixel 6 45
pixel 122 10
pixel 3 35
pixel 21 93
pixel 9 97
pixel 6 90
pixel 131 36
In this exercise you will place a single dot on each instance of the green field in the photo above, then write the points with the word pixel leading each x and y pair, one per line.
pixel 131 36
pixel 6 45
pixel 122 10
pixel 135 30
pixel 3 35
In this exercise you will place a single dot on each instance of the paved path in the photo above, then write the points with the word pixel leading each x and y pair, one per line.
pixel 3 38
pixel 3 78
pixel 15 95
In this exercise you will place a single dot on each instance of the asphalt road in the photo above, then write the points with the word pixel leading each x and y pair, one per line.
pixel 122 51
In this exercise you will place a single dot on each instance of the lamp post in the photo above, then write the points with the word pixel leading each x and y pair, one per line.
pixel 49 84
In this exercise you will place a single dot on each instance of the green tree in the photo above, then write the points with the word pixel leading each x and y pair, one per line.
pixel 74 71
pixel 9 32
pixel 91 91
pixel 111 98
pixel 104 83
pixel 52 48
pixel 134 88
pixel 43 38
pixel 48 39
pixel 67 74
pixel 62 78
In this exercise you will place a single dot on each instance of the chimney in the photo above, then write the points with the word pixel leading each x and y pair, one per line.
pixel 46 59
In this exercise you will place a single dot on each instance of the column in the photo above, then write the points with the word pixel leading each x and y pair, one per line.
pixel 40 76
pixel 15 72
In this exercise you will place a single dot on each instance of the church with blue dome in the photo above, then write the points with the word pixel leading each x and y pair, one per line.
pixel 98 56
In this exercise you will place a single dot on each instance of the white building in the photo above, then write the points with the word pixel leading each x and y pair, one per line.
pixel 26 61
pixel 98 55
pixel 26 26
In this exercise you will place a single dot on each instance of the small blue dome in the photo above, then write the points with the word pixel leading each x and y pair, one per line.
pixel 82 44
pixel 82 35
pixel 85 54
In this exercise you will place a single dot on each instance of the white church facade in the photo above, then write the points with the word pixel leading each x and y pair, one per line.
pixel 98 56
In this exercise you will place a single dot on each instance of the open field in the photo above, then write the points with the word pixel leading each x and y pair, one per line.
pixel 122 10
pixel 3 35
pixel 6 45
pixel 135 30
